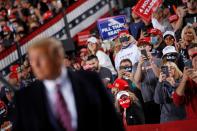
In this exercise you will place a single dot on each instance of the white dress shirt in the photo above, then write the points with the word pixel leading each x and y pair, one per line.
pixel 67 92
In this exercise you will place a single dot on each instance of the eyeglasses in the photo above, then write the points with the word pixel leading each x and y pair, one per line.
pixel 127 68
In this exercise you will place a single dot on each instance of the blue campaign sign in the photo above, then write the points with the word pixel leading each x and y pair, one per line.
pixel 109 27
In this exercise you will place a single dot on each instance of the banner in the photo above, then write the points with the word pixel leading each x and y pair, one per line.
pixel 82 37
pixel 109 27
pixel 181 125
pixel 82 15
pixel 145 8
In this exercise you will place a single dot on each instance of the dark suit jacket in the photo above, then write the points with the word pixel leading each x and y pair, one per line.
pixel 94 108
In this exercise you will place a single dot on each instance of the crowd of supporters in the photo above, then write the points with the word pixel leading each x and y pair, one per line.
pixel 149 70
pixel 21 17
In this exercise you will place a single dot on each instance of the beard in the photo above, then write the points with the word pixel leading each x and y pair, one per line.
pixel 94 69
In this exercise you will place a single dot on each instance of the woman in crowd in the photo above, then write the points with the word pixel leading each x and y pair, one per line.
pixel 188 36
pixel 129 107
pixel 169 38
pixel 104 60
pixel 168 81
pixel 171 54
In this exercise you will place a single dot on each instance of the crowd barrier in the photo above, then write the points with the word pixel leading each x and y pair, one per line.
pixel 184 125
pixel 82 15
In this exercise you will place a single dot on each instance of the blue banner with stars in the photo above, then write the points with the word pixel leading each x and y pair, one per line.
pixel 110 26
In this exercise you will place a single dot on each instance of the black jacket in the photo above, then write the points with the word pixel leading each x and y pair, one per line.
pixel 135 114
pixel 94 108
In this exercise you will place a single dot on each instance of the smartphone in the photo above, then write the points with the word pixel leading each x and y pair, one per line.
pixel 188 64
pixel 165 70
pixel 143 52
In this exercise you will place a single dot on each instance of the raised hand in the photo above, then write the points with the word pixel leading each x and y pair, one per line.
pixel 162 77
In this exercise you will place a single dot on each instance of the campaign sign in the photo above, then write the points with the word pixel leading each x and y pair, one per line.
pixel 145 8
pixel 82 37
pixel 109 27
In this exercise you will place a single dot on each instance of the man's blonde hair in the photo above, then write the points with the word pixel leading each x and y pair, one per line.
pixel 55 46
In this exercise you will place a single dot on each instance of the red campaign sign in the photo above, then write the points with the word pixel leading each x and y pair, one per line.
pixel 145 8
pixel 82 37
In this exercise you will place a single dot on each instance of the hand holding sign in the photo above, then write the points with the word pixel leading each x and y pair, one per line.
pixel 109 27
pixel 145 8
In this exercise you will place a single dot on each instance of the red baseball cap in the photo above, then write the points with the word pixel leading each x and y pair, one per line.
pixel 155 31
pixel 123 32
pixel 120 84
pixel 144 41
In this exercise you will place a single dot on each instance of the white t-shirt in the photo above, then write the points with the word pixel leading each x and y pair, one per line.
pixel 105 61
pixel 131 52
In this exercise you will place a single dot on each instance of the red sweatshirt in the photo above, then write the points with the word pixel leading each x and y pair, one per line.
pixel 189 99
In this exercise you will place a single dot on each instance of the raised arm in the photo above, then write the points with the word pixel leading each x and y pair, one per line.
pixel 178 96
pixel 138 73
pixel 155 68
pixel 159 96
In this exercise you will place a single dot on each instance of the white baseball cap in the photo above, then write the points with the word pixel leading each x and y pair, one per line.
pixel 169 33
pixel 120 93
pixel 169 49
pixel 92 40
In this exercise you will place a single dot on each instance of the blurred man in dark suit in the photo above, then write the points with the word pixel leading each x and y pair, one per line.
pixel 61 99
